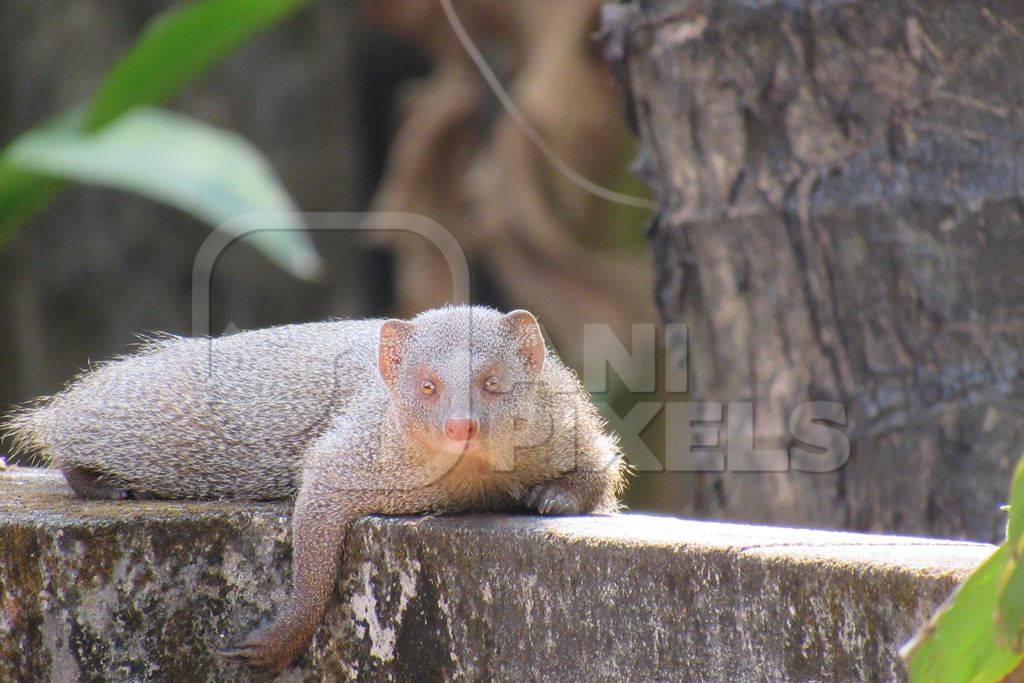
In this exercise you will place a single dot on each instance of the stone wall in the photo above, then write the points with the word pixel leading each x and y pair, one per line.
pixel 147 590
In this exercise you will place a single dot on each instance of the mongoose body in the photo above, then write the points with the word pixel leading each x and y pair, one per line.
pixel 459 409
pixel 206 419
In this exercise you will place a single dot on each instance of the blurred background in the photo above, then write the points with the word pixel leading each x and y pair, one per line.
pixel 356 107
pixel 837 200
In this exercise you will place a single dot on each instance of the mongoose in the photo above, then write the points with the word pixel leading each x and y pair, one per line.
pixel 459 409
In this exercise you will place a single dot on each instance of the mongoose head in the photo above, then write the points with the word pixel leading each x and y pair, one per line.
pixel 459 375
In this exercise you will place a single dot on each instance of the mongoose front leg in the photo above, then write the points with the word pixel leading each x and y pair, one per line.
pixel 319 523
pixel 550 498
pixel 574 493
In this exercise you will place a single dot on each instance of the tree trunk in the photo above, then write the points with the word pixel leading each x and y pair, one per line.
pixel 840 189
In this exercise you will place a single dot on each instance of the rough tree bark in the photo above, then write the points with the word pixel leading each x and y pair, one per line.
pixel 841 190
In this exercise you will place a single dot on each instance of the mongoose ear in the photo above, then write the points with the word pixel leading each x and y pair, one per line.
pixel 526 332
pixel 393 334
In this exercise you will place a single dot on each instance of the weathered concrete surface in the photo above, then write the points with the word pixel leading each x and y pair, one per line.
pixel 147 590
pixel 841 190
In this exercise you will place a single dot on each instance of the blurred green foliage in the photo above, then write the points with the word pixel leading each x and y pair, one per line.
pixel 977 636
pixel 118 140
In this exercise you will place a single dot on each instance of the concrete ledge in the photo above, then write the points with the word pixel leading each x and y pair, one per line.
pixel 147 590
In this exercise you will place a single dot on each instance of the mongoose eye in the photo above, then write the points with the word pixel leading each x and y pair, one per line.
pixel 427 388
pixel 491 385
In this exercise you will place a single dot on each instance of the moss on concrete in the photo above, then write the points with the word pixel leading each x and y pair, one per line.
pixel 148 590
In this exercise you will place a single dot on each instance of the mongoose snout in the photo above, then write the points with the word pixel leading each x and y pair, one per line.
pixel 460 428
pixel 459 409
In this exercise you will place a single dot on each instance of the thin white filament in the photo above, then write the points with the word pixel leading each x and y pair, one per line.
pixel 531 133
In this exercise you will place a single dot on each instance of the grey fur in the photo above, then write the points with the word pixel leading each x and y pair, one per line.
pixel 305 410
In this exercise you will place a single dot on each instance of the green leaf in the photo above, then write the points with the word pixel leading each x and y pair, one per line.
pixel 959 643
pixel 1010 599
pixel 1010 604
pixel 1015 528
pixel 21 195
pixel 215 175
pixel 176 47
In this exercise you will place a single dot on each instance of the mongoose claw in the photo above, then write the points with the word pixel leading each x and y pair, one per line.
pixel 243 654
pixel 256 652
pixel 550 499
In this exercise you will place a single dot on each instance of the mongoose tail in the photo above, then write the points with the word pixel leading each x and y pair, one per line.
pixel 23 427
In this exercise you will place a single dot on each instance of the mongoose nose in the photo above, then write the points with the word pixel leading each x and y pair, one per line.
pixel 460 428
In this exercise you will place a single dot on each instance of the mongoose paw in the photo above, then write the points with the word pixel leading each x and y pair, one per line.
pixel 550 499
pixel 260 651
pixel 109 493
pixel 90 486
